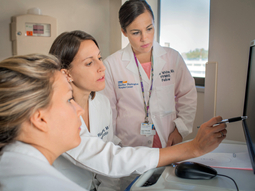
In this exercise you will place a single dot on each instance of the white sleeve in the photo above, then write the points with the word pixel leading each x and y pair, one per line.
pixel 186 99
pixel 108 159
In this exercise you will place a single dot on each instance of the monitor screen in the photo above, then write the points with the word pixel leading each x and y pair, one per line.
pixel 249 106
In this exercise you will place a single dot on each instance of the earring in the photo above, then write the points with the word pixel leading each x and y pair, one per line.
pixel 70 80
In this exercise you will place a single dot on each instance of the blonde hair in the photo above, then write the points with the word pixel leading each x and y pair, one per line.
pixel 25 86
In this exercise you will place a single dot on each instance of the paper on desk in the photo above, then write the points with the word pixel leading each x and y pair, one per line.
pixel 225 160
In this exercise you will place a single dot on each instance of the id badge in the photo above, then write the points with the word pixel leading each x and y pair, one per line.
pixel 147 129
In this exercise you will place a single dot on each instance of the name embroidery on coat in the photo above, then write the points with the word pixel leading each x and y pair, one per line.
pixel 166 75
pixel 103 133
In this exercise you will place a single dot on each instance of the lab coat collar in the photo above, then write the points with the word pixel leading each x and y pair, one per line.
pixel 26 149
pixel 128 53
pixel 128 58
pixel 158 50
pixel 159 63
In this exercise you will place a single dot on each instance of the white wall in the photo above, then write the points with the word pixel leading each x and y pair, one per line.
pixel 231 31
pixel 91 16
pixel 115 32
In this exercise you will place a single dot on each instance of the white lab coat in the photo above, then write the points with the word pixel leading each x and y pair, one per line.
pixel 100 119
pixel 23 167
pixel 101 155
pixel 173 99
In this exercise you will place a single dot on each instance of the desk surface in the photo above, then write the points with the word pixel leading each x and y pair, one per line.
pixel 245 179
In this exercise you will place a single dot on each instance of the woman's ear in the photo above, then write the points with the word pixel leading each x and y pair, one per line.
pixel 39 121
pixel 67 74
pixel 124 33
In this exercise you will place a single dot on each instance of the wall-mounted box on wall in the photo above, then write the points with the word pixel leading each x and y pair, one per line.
pixel 32 33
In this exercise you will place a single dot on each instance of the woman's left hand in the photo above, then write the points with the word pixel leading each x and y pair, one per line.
pixel 174 138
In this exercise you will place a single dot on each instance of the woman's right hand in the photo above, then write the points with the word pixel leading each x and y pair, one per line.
pixel 208 136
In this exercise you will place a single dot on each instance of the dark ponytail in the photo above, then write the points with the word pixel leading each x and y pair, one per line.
pixel 132 9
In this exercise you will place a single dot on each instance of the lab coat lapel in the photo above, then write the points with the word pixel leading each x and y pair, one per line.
pixel 93 121
pixel 128 56
pixel 159 63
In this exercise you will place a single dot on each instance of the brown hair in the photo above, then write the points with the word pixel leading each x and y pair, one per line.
pixel 132 9
pixel 66 46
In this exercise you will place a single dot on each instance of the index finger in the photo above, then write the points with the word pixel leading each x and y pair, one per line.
pixel 219 127
pixel 213 121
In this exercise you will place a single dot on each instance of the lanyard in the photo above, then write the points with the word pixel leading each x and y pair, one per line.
pixel 146 107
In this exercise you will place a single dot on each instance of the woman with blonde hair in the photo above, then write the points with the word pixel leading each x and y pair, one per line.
pixel 35 103
pixel 39 120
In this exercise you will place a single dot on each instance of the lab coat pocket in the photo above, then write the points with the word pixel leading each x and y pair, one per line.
pixel 165 99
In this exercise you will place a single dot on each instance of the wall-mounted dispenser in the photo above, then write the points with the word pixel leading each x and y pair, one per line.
pixel 32 32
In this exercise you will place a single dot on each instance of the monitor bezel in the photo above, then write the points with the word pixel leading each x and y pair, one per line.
pixel 245 129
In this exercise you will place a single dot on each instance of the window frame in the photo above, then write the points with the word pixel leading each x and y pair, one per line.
pixel 199 81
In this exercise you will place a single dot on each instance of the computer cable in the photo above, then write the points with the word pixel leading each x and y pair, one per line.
pixel 230 179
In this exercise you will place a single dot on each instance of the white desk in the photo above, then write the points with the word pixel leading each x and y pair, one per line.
pixel 245 179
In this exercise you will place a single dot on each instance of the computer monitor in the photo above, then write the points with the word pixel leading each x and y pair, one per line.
pixel 249 106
